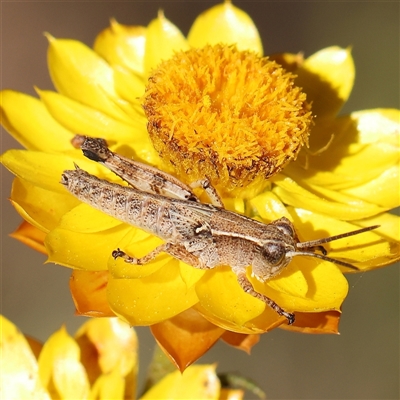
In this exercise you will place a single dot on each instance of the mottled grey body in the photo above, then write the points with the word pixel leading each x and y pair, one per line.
pixel 214 235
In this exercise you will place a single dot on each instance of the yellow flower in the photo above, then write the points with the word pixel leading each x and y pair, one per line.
pixel 342 181
pixel 98 362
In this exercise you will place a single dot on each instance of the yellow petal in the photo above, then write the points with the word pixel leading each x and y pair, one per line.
pixel 109 386
pixel 196 382
pixel 327 201
pixel 370 207
pixel 30 236
pixel 129 86
pixel 349 144
pixel 327 77
pixel 153 298
pixel 109 346
pixel 88 250
pixel 227 24
pixel 365 251
pixel 62 248
pixel 186 337
pixel 89 293
pixel 336 66
pixel 34 128
pixel 322 322
pixel 241 341
pixel 326 289
pixel 292 281
pixel 122 45
pixel 86 219
pixel 338 172
pixel 113 342
pixel 233 204
pixel 163 38
pixel 19 378
pixel 224 303
pixel 353 132
pixel 268 206
pixel 60 369
pixel 190 275
pixel 389 225
pixel 79 73
pixel 43 169
pixel 378 125
pixel 89 121
pixel 383 190
pixel 40 207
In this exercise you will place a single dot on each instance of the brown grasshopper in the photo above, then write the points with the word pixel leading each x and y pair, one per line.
pixel 201 235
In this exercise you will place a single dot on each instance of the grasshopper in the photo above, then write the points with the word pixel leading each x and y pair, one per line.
pixel 202 235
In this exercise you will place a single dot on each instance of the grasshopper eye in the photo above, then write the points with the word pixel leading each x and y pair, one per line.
pixel 274 253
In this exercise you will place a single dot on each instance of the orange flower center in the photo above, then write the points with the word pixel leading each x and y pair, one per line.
pixel 226 114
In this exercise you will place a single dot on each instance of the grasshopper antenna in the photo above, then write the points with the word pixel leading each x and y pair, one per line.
pixel 313 245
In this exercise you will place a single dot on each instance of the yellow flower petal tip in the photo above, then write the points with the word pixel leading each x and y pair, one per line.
pixel 341 68
pixel 109 346
pixel 197 382
pixel 49 37
pixel 163 38
pixel 327 77
pixel 160 14
pixel 186 337
pixel 116 26
pixel 19 376
pixel 226 114
pixel 227 24
pixel 123 47
pixel 31 236
pixel 60 369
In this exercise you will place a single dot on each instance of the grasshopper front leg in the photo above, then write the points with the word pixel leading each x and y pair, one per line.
pixel 175 250
pixel 139 261
pixel 246 285
pixel 210 190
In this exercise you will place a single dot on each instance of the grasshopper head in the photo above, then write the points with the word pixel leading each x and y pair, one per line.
pixel 277 249
pixel 281 244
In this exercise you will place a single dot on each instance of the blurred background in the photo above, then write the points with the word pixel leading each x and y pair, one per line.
pixel 361 363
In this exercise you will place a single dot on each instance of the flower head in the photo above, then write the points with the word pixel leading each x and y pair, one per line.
pixel 98 362
pixel 216 110
pixel 226 114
